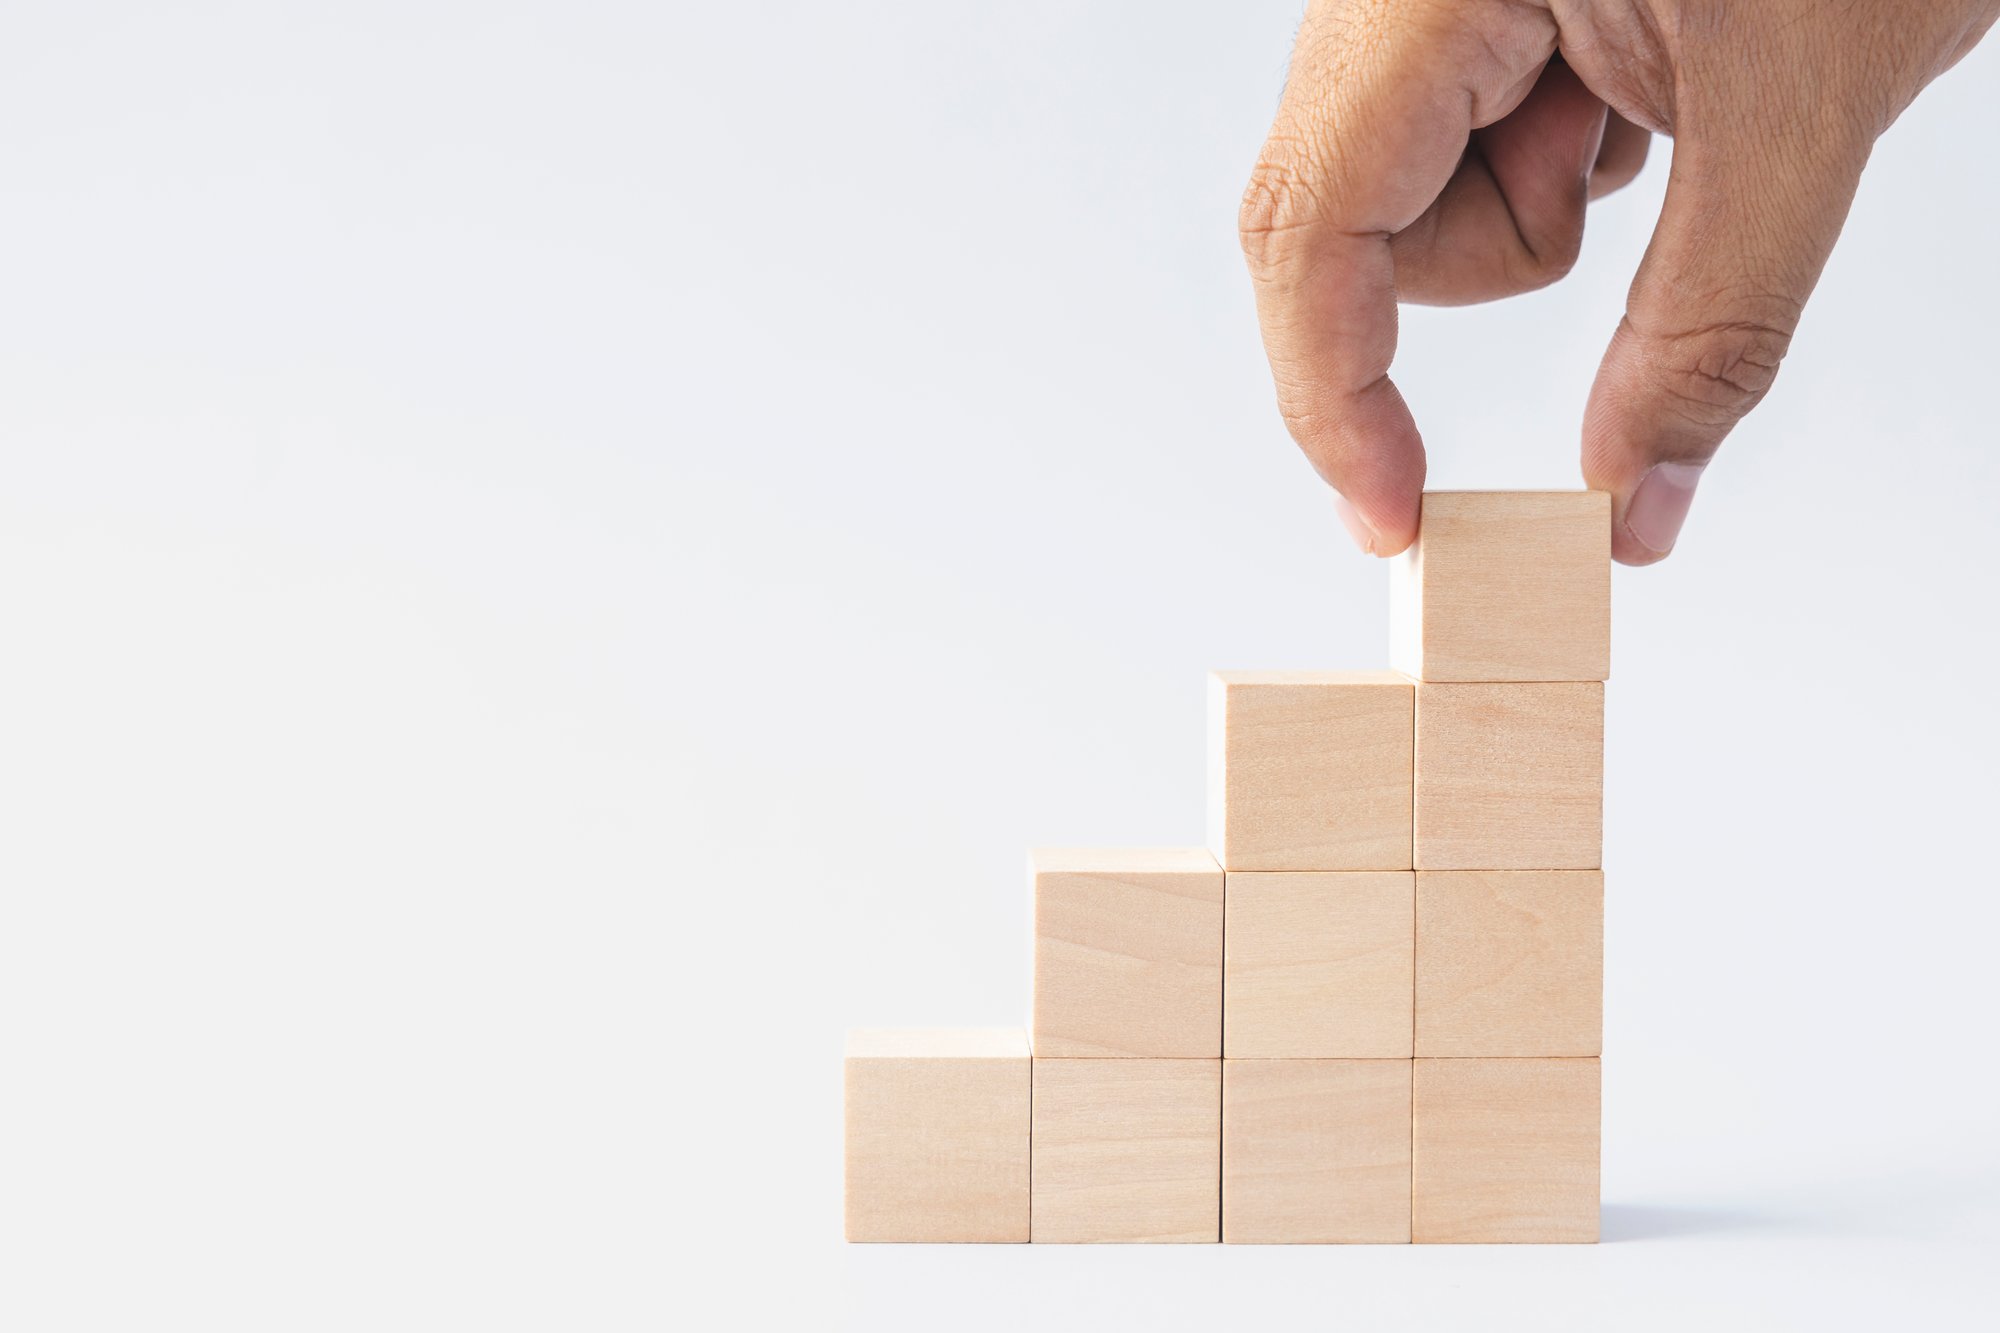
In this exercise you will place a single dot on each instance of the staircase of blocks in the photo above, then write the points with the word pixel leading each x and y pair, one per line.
pixel 1369 1010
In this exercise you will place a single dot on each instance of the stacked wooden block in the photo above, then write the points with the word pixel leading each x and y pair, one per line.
pixel 1369 1011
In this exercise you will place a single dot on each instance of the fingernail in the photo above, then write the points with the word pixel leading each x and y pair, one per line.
pixel 1661 503
pixel 1350 518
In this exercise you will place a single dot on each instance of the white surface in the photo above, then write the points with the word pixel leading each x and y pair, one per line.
pixel 555 557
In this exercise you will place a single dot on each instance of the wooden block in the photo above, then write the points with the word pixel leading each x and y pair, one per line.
pixel 1310 770
pixel 1510 777
pixel 1508 585
pixel 1319 964
pixel 1316 1151
pixel 1128 953
pixel 1509 962
pixel 1505 1150
pixel 1127 1150
pixel 937 1135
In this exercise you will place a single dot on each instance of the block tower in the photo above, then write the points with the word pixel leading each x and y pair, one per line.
pixel 1369 1010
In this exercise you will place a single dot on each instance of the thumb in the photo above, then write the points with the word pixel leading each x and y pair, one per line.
pixel 1746 228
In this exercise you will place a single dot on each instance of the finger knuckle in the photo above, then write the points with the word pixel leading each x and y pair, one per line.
pixel 1279 201
pixel 1719 371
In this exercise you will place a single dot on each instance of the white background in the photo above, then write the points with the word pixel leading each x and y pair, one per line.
pixel 555 556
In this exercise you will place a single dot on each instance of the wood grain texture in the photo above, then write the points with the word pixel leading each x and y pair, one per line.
pixel 937 1135
pixel 1316 1151
pixel 1510 963
pixel 1505 1150
pixel 1128 953
pixel 1319 964
pixel 1127 1150
pixel 1505 586
pixel 1510 777
pixel 1310 770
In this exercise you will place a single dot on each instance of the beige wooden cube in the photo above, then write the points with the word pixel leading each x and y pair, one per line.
pixel 1510 962
pixel 937 1135
pixel 1316 1151
pixel 1506 585
pixel 1319 964
pixel 1505 1150
pixel 1128 953
pixel 1127 1150
pixel 1510 777
pixel 1310 770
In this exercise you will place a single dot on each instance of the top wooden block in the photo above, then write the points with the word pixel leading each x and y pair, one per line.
pixel 1505 586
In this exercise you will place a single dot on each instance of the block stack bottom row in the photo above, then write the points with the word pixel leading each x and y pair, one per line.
pixel 1369 1011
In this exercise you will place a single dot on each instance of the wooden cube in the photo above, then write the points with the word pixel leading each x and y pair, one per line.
pixel 1509 585
pixel 1128 953
pixel 1509 962
pixel 1127 1150
pixel 1319 964
pixel 937 1135
pixel 1505 1150
pixel 1316 1151
pixel 1310 770
pixel 1510 777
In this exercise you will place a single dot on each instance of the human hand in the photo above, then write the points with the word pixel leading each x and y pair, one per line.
pixel 1433 151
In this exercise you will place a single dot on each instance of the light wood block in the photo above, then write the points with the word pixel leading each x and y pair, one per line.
pixel 1310 770
pixel 1127 1150
pixel 1319 964
pixel 1510 777
pixel 1505 1150
pixel 1509 962
pixel 1505 586
pixel 1128 953
pixel 937 1135
pixel 1316 1151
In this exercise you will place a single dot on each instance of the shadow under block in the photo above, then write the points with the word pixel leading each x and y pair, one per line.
pixel 1128 953
pixel 1510 777
pixel 1510 963
pixel 1504 1150
pixel 1505 586
pixel 1310 770
pixel 937 1135
pixel 1316 1151
pixel 1319 964
pixel 1127 1150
